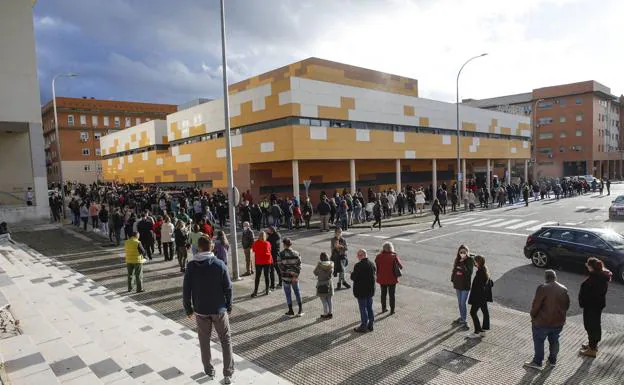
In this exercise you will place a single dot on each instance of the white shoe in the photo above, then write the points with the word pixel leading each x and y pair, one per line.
pixel 227 380
pixel 474 335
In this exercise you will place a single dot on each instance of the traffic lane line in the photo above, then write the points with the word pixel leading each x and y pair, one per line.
pixel 498 232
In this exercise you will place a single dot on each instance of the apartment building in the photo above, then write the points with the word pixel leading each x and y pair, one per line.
pixel 577 128
pixel 82 122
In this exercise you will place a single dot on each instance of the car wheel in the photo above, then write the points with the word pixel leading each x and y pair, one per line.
pixel 540 258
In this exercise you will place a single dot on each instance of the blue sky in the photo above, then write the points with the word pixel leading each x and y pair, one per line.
pixel 169 51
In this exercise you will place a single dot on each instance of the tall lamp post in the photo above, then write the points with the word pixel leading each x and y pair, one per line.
pixel 459 170
pixel 228 149
pixel 56 133
pixel 534 137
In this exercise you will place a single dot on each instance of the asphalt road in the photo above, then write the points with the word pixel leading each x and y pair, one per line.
pixel 499 235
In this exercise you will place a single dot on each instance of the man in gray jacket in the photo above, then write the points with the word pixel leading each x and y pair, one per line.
pixel 548 315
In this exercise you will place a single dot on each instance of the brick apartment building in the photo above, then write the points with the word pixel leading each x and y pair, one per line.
pixel 577 128
pixel 82 121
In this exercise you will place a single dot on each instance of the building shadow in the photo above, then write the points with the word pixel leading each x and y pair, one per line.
pixel 581 373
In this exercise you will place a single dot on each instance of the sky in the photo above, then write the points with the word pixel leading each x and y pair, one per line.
pixel 170 51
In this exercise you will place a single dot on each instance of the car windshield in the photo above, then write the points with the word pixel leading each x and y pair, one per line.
pixel 614 239
pixel 619 199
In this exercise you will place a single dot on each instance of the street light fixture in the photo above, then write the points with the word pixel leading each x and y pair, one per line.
pixel 459 170
pixel 56 133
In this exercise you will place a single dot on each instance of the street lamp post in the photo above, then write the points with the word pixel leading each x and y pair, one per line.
pixel 534 138
pixel 228 149
pixel 459 171
pixel 56 133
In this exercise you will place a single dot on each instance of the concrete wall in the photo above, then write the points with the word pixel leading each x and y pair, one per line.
pixel 16 170
pixel 75 171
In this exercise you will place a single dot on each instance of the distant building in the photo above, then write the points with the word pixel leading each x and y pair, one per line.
pixel 82 122
pixel 578 128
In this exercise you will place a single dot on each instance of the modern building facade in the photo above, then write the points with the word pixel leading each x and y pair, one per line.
pixel 21 143
pixel 333 125
pixel 577 128
pixel 82 122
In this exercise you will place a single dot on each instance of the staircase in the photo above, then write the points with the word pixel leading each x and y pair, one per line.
pixel 77 332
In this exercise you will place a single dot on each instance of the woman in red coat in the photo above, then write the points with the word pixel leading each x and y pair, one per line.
pixel 262 252
pixel 386 276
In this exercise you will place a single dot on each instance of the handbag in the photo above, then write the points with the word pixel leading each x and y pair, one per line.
pixel 322 289
pixel 396 269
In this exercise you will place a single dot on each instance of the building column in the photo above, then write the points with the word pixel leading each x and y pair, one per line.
pixel 295 176
pixel 398 175
pixel 508 181
pixel 526 171
pixel 434 170
pixel 39 173
pixel 488 176
pixel 352 175
pixel 463 183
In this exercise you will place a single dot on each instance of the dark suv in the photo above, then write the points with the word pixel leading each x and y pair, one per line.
pixel 570 246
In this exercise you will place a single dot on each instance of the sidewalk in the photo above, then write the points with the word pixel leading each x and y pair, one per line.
pixel 417 345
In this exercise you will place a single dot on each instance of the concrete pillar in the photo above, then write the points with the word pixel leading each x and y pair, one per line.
pixel 508 181
pixel 488 176
pixel 398 175
pixel 40 177
pixel 463 183
pixel 295 175
pixel 434 170
pixel 352 175
pixel 526 171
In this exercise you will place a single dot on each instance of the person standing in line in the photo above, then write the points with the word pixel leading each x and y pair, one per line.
pixel 84 215
pixel 324 285
pixel 166 234
pixel 339 256
pixel 103 217
pixel 436 208
pixel 194 237
pixel 264 262
pixel 461 278
pixel 182 244
pixel 117 224
pixel 363 277
pixel 29 197
pixel 146 234
pixel 134 255
pixel 608 187
pixel 306 211
pixel 386 262
pixel 274 239
pixel 324 209
pixel 156 227
pixel 289 263
pixel 480 295
pixel 207 293
pixel 94 210
pixel 548 315
pixel 377 214
pixel 222 247
pixel 247 241
pixel 592 299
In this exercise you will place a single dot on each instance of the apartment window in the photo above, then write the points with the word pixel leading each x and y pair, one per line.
pixel 579 101
pixel 562 119
pixel 97 135
pixel 544 104
pixel 117 121
pixel 546 135
pixel 87 168
pixel 99 167
pixel 563 134
pixel 579 132
pixel 138 121
pixel 84 136
pixel 106 121
pixel 83 120
pixel 98 152
pixel 543 121
pixel 561 149
pixel 70 120
pixel 85 152
pixel 544 150
pixel 128 122
pixel 577 148
pixel 94 120
pixel 563 102
pixel 579 117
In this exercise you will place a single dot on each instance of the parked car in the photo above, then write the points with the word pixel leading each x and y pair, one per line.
pixel 616 210
pixel 571 246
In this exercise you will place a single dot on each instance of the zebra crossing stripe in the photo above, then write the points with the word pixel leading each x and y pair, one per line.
pixel 476 221
pixel 506 223
pixel 488 223
pixel 534 228
pixel 522 224
pixel 458 221
pixel 402 239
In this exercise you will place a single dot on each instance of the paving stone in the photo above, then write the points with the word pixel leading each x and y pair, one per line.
pixel 139 370
pixel 67 365
pixel 105 367
pixel 170 373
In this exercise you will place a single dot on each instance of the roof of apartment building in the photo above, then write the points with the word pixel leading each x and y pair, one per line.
pixel 499 101
pixel 88 104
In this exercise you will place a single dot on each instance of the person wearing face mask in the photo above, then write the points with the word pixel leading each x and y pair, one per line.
pixel 461 278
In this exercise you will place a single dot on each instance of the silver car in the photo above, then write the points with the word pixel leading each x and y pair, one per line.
pixel 616 211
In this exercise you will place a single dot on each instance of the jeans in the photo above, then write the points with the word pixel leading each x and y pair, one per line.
pixel 135 270
pixel 168 249
pixel 462 297
pixel 85 222
pixel 76 221
pixel 436 219
pixel 148 245
pixel 259 270
pixel 377 222
pixel 182 255
pixel 539 336
pixel 104 227
pixel 327 304
pixel 221 323
pixel 94 221
pixel 367 316
pixel 384 291
pixel 478 328
pixel 591 321
pixel 295 287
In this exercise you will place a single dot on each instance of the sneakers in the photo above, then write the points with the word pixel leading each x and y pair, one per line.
pixel 346 285
pixel 360 330
pixel 463 326
pixel 551 364
pixel 533 365
pixel 588 353
pixel 210 373
pixel 254 294
pixel 457 322
pixel 227 379
pixel 475 335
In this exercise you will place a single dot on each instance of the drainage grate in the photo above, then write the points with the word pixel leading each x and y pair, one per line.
pixel 452 361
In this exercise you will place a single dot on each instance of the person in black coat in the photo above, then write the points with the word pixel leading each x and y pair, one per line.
pixel 436 208
pixel 274 239
pixel 592 298
pixel 480 295
pixel 363 277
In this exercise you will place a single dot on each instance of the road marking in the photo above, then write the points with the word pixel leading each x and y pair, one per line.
pixel 461 221
pixel 571 223
pixel 410 231
pixel 506 223
pixel 476 221
pixel 455 220
pixel 347 232
pixel 534 228
pixel 364 235
pixel 499 232
pixel 441 236
pixel 488 223
pixel 380 236
pixel 522 224
pixel 402 239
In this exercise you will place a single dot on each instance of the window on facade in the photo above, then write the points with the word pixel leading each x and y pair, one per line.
pixel 106 121
pixel 70 120
pixel 562 119
pixel 315 122
pixel 87 168
pixel 128 122
pixel 579 100
pixel 579 132
pixel 544 104
pixel 561 149
pixel 85 152
pixel 544 150
pixel 546 135
pixel 83 120
pixel 563 102
pixel 84 136
pixel 97 135
pixel 138 121
pixel 546 120
pixel 579 117
pixel 576 148
pixel 98 152
pixel 563 134
pixel 117 121
pixel 99 167
pixel 94 120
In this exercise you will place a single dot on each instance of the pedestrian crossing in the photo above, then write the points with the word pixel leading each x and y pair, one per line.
pixel 499 223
